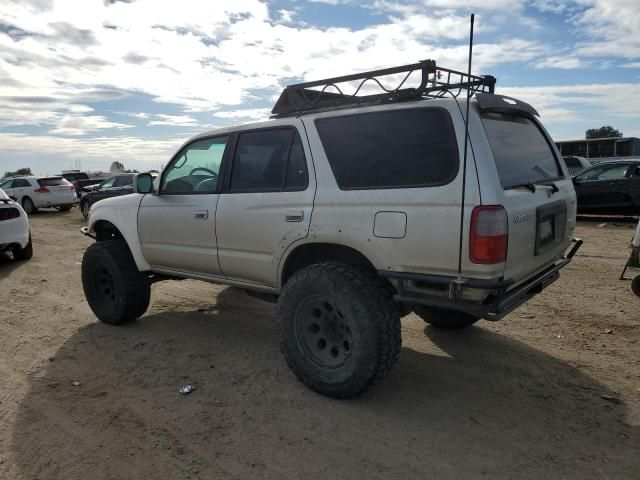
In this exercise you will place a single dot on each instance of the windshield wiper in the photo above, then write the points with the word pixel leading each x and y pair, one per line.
pixel 554 187
pixel 529 185
pixel 532 186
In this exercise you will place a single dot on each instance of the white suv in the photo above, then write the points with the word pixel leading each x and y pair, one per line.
pixel 350 211
pixel 38 192
pixel 15 236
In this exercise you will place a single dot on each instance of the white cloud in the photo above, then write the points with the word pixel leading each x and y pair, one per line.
pixel 211 58
pixel 175 120
pixel 562 103
pixel 249 114
pixel 135 152
pixel 563 63
pixel 81 124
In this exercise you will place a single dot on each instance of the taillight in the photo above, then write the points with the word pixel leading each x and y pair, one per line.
pixel 41 190
pixel 489 234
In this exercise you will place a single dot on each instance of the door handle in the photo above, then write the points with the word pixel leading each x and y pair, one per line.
pixel 201 214
pixel 294 216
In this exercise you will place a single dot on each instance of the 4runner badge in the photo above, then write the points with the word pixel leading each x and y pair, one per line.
pixel 523 218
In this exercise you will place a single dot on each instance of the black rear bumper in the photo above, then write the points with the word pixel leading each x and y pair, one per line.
pixel 448 292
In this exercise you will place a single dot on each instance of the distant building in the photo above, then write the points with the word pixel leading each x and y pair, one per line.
pixel 601 149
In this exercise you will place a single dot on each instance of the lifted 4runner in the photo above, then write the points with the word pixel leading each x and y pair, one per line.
pixel 351 211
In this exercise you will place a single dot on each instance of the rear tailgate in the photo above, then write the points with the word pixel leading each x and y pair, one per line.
pixel 58 189
pixel 538 194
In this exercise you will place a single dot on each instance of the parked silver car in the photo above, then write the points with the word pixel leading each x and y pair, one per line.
pixel 38 192
pixel 14 229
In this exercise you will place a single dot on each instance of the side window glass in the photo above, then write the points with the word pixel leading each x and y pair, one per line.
pixel 108 183
pixel 614 173
pixel 604 172
pixel 297 175
pixel 261 159
pixel 6 184
pixel 196 169
pixel 20 183
pixel 125 181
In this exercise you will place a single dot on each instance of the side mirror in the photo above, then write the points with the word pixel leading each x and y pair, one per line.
pixel 576 181
pixel 143 183
pixel 15 199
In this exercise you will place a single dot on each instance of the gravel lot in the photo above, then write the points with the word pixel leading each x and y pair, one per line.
pixel 544 393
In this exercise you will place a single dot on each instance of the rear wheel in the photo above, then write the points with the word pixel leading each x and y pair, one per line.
pixel 338 333
pixel 445 319
pixel 23 253
pixel 115 290
pixel 28 206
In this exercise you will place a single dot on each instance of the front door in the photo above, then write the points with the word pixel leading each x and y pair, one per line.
pixel 603 187
pixel 266 204
pixel 177 224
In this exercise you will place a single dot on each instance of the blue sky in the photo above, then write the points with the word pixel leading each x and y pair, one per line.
pixel 93 81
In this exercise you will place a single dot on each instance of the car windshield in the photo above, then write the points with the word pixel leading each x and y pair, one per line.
pixel 520 150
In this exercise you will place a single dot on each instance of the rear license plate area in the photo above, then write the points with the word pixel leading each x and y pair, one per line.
pixel 551 221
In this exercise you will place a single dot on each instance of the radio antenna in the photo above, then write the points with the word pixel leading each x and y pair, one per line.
pixel 464 163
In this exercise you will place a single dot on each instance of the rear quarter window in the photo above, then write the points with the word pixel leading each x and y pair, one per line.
pixel 521 152
pixel 391 149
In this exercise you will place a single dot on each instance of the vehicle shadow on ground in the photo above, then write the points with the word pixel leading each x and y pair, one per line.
pixel 480 404
pixel 8 264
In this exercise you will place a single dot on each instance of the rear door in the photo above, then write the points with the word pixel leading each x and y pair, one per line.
pixel 22 187
pixel 541 214
pixel 634 187
pixel 266 204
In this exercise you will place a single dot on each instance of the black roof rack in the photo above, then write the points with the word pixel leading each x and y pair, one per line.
pixel 435 82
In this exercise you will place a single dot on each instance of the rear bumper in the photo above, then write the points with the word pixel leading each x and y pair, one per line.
pixel 55 202
pixel 455 294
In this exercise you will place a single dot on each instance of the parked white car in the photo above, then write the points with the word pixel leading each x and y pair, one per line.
pixel 38 192
pixel 14 229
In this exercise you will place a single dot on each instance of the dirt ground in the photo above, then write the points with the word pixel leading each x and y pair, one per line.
pixel 544 393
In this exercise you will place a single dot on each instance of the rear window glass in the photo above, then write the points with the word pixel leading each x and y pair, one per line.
pixel 52 182
pixel 392 149
pixel 520 150
pixel 72 177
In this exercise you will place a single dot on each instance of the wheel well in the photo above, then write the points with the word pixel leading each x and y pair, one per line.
pixel 312 253
pixel 106 231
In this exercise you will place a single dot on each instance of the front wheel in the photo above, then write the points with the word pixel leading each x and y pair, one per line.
pixel 115 290
pixel 635 285
pixel 338 334
pixel 445 319
pixel 84 208
pixel 23 253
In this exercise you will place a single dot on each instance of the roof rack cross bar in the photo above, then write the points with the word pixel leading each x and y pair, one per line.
pixel 305 97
